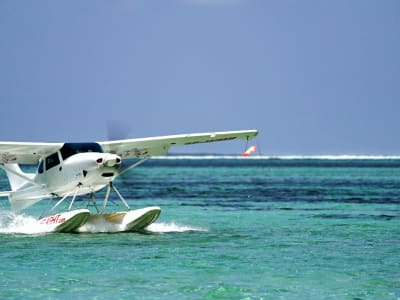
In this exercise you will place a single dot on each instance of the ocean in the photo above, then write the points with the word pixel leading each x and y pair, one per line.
pixel 230 228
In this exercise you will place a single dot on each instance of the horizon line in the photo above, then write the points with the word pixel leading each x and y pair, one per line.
pixel 283 157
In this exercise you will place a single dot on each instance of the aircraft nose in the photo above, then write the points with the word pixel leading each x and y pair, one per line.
pixel 112 160
pixel 109 160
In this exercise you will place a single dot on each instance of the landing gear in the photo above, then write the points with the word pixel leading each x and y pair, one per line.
pixel 110 187
pixel 74 193
pixel 130 220
pixel 101 221
pixel 107 196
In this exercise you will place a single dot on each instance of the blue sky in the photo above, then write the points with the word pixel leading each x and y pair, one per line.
pixel 314 77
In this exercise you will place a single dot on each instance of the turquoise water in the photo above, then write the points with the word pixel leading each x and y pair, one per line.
pixel 229 229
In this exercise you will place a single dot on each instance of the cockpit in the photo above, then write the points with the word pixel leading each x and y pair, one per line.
pixel 67 150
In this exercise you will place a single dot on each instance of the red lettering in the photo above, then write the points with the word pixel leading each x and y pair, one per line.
pixel 52 220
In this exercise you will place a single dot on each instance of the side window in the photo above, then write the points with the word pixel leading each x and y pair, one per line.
pixel 40 167
pixel 52 161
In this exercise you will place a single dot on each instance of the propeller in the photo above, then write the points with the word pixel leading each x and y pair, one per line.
pixel 117 130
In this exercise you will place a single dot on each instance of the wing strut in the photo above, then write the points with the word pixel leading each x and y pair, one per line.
pixel 138 163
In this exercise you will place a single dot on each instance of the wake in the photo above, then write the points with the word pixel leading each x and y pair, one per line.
pixel 105 227
pixel 172 227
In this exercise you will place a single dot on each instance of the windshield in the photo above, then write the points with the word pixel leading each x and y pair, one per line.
pixel 69 149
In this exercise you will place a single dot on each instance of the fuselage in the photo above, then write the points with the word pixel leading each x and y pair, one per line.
pixel 79 169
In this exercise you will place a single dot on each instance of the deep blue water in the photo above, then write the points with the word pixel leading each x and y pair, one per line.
pixel 229 229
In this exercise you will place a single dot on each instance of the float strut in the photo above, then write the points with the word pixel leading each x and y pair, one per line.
pixel 120 196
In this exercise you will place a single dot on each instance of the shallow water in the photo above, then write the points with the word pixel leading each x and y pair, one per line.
pixel 229 229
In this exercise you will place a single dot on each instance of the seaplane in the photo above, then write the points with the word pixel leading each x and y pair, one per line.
pixel 67 170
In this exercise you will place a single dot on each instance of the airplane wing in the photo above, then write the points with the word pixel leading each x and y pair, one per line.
pixel 30 153
pixel 26 153
pixel 159 146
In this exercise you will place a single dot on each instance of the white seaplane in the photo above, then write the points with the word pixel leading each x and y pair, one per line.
pixel 66 170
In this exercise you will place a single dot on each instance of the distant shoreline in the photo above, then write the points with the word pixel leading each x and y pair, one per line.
pixel 281 157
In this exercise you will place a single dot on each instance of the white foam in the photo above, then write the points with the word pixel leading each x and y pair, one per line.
pixel 11 223
pixel 100 226
pixel 172 227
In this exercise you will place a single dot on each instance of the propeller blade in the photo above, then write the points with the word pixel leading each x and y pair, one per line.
pixel 117 130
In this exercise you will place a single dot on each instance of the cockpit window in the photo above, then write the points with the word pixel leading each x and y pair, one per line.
pixel 52 161
pixel 69 149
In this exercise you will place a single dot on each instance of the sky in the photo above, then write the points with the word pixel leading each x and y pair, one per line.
pixel 314 77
